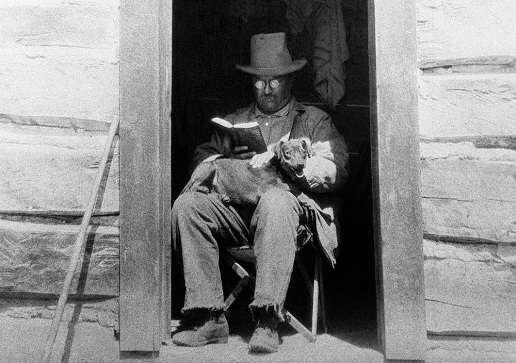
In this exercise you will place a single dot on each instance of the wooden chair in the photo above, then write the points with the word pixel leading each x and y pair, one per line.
pixel 314 286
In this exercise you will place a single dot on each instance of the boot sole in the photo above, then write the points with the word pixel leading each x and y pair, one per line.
pixel 221 340
pixel 262 349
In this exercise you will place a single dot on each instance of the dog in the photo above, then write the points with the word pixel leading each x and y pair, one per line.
pixel 238 183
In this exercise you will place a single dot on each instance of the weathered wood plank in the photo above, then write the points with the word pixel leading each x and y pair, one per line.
pixel 140 180
pixel 61 136
pixel 77 124
pixel 395 152
pixel 463 346
pixel 70 71
pixel 35 257
pixel 165 145
pixel 54 85
pixel 485 220
pixel 48 168
pixel 486 147
pixel 468 180
pixel 60 217
pixel 86 24
pixel 103 311
pixel 469 193
pixel 467 104
pixel 490 63
pixel 464 29
pixel 470 288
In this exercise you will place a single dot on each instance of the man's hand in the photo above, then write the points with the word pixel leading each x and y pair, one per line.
pixel 262 159
pixel 239 152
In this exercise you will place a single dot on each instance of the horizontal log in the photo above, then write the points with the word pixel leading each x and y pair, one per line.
pixel 468 180
pixel 459 239
pixel 466 349
pixel 60 217
pixel 467 105
pixel 52 169
pixel 101 310
pixel 472 147
pixel 91 24
pixel 66 83
pixel 492 63
pixel 483 220
pixel 60 59
pixel 79 298
pixel 465 29
pixel 469 289
pixel 76 124
pixel 56 133
pixel 35 257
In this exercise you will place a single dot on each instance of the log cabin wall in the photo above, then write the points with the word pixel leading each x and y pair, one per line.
pixel 59 81
pixel 467 117
pixel 59 94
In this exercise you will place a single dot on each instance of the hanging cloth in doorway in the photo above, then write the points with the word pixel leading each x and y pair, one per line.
pixel 330 49
pixel 297 14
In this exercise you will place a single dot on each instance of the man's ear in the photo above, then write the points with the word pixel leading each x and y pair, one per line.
pixel 305 143
pixel 276 149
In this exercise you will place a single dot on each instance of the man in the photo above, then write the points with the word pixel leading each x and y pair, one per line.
pixel 202 223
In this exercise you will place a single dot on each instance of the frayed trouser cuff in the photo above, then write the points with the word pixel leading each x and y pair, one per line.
pixel 196 309
pixel 269 309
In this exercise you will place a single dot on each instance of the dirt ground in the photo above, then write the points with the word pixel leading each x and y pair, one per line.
pixel 22 341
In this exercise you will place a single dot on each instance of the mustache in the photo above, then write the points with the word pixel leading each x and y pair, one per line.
pixel 268 98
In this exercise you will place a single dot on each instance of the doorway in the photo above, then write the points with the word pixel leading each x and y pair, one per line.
pixel 145 195
pixel 209 39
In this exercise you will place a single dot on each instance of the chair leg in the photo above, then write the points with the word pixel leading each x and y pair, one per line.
pixel 244 281
pixel 284 315
pixel 236 291
pixel 306 278
pixel 296 324
pixel 321 295
pixel 315 296
pixel 315 288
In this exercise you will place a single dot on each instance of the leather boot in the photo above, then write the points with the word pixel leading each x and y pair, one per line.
pixel 265 338
pixel 206 328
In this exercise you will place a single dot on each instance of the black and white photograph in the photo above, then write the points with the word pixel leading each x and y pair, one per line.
pixel 257 181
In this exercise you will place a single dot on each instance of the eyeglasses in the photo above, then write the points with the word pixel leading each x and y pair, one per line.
pixel 273 83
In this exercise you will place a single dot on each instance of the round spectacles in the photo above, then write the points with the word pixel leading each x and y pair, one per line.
pixel 273 83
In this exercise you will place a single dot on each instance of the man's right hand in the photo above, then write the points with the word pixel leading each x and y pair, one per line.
pixel 240 152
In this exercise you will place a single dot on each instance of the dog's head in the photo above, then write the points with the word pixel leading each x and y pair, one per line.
pixel 292 155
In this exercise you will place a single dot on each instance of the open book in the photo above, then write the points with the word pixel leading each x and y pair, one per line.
pixel 243 134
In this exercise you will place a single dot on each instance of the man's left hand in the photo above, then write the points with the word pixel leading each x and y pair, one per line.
pixel 260 160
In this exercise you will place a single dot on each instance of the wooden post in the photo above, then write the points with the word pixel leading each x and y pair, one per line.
pixel 396 179
pixel 165 147
pixel 144 173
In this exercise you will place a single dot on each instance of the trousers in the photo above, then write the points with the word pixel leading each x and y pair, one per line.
pixel 202 224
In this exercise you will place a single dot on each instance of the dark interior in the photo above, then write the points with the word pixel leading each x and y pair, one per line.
pixel 209 38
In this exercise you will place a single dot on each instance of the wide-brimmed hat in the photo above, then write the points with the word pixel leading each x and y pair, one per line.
pixel 270 56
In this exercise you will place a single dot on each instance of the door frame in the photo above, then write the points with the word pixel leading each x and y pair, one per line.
pixel 145 174
pixel 145 195
pixel 395 164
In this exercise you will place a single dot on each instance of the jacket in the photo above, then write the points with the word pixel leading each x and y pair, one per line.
pixel 324 174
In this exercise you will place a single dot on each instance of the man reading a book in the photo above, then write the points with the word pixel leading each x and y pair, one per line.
pixel 202 223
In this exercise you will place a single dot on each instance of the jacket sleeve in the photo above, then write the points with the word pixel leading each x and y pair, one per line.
pixel 218 146
pixel 326 170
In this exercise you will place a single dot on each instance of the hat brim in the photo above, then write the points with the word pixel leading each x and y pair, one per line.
pixel 276 71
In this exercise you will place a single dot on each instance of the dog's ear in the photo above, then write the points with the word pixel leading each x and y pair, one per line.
pixel 305 143
pixel 276 149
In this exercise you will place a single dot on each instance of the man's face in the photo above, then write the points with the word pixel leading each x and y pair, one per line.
pixel 268 98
